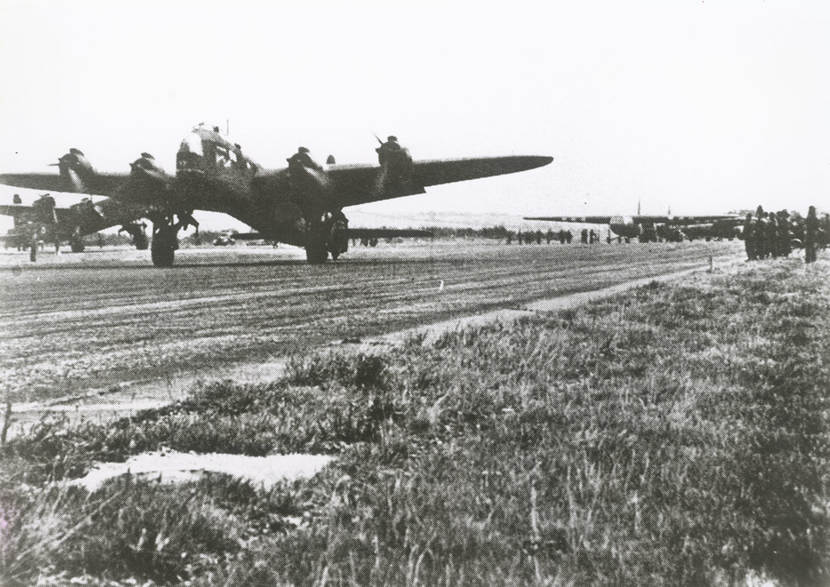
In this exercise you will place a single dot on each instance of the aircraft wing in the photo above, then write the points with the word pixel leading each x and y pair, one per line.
pixel 690 220
pixel 351 233
pixel 15 210
pixel 360 184
pixel 104 184
pixel 581 219
pixel 387 233
pixel 641 219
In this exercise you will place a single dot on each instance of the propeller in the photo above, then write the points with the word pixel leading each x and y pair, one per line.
pixel 75 169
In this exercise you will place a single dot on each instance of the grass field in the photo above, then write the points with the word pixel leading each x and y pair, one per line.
pixel 676 435
pixel 100 319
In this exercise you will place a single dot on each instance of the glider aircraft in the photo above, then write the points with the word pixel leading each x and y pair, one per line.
pixel 301 204
pixel 647 228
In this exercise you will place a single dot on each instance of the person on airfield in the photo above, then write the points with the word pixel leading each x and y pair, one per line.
pixel 810 235
pixel 390 147
pixel 784 248
pixel 760 235
pixel 519 237
pixel 749 238
pixel 302 157
pixel 772 235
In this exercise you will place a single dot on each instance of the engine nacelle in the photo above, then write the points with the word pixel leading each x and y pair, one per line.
pixel 146 167
pixel 44 210
pixel 76 170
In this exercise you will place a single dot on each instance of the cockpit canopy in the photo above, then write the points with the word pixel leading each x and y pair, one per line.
pixel 205 150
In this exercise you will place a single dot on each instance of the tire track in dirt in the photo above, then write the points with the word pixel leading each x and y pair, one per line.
pixel 129 397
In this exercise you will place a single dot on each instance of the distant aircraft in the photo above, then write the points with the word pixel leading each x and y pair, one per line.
pixel 300 205
pixel 647 228
pixel 45 221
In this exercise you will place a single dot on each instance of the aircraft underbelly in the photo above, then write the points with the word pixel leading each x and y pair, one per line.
pixel 215 194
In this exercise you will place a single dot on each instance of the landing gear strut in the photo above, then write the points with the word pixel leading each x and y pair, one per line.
pixel 165 238
pixel 137 231
pixel 329 235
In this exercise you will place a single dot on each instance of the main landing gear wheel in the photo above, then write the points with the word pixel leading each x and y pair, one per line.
pixel 164 245
pixel 142 243
pixel 77 246
pixel 316 253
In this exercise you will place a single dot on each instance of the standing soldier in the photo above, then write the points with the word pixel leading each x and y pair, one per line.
pixel 388 149
pixel 509 238
pixel 810 235
pixel 749 238
pixel 303 158
pixel 784 234
pixel 549 236
pixel 772 235
pixel 538 237
pixel 761 235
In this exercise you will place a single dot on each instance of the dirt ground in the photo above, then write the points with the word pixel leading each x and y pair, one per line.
pixel 107 320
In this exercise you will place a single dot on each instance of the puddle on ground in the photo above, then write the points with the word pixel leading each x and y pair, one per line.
pixel 177 467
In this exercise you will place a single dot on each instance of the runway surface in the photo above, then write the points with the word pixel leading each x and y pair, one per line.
pixel 86 322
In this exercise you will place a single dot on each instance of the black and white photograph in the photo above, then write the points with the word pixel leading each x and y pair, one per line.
pixel 415 293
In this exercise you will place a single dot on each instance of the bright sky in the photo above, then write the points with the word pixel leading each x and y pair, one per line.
pixel 702 106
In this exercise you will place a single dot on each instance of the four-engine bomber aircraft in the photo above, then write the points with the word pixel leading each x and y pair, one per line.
pixel 648 228
pixel 44 221
pixel 300 205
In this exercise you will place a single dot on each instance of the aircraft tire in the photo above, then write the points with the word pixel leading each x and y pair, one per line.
pixel 162 254
pixel 316 253
pixel 77 246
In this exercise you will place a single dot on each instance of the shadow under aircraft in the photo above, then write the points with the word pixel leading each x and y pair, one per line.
pixel 301 204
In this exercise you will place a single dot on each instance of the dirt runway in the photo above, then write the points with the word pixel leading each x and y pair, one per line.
pixel 84 323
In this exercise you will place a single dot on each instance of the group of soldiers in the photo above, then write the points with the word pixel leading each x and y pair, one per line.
pixel 773 234
pixel 531 237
